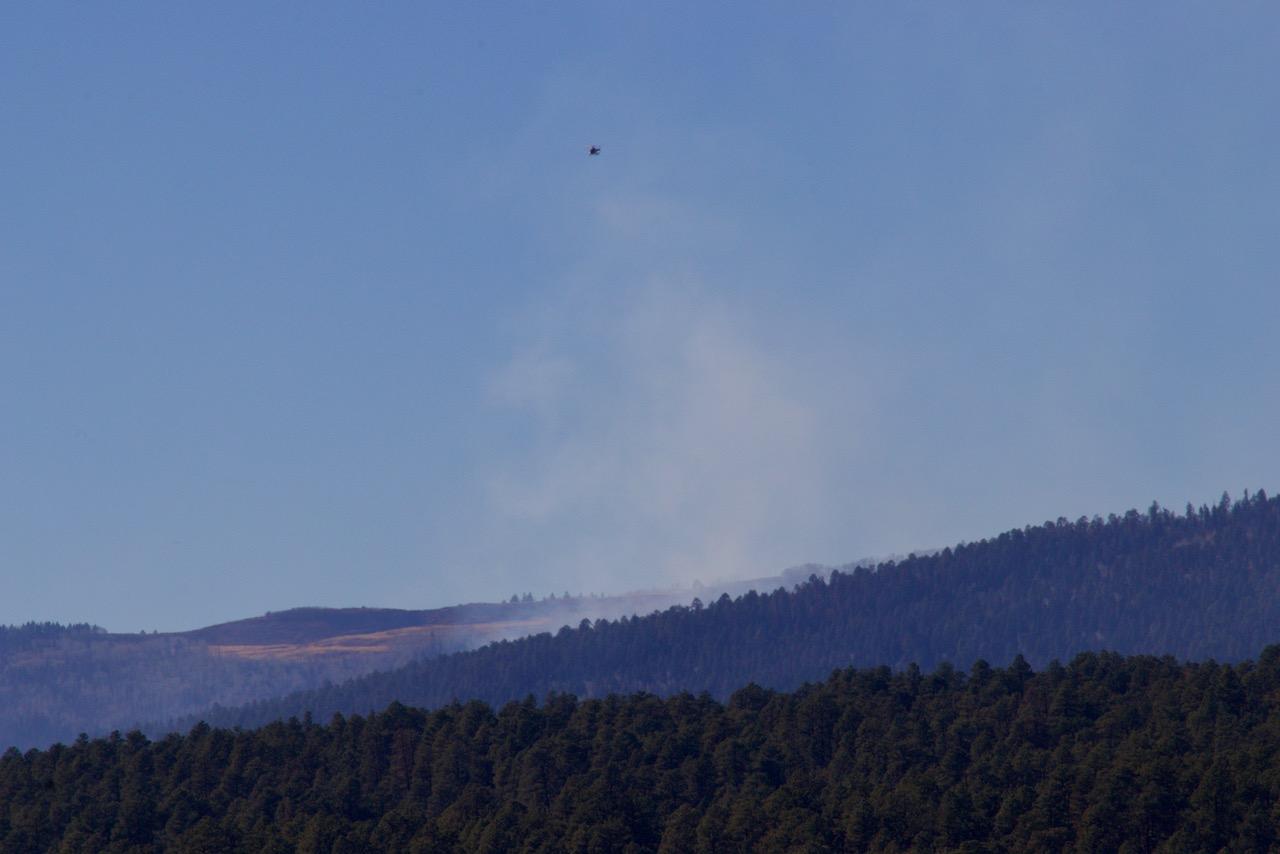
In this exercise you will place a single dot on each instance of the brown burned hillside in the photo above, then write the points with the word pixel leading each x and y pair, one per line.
pixel 481 620
pixel 59 681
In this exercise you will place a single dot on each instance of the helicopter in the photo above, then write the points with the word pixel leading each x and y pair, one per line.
pixel 593 150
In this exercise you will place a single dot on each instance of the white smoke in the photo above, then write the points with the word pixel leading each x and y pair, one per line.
pixel 691 442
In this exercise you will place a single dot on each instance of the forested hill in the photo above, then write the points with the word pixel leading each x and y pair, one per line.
pixel 1196 585
pixel 1106 754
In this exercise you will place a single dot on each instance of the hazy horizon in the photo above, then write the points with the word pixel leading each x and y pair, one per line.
pixel 330 306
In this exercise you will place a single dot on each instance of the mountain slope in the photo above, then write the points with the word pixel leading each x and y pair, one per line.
pixel 1205 584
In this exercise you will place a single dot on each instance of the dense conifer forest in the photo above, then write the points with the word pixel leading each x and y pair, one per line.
pixel 1106 754
pixel 1200 584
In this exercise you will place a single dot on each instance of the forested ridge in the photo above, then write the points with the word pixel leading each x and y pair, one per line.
pixel 1200 584
pixel 1105 754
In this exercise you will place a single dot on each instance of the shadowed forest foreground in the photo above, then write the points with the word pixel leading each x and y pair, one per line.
pixel 1106 754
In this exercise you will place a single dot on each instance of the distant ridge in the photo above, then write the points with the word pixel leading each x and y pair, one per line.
pixel 59 681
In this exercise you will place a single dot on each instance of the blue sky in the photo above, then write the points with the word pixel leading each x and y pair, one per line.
pixel 325 304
